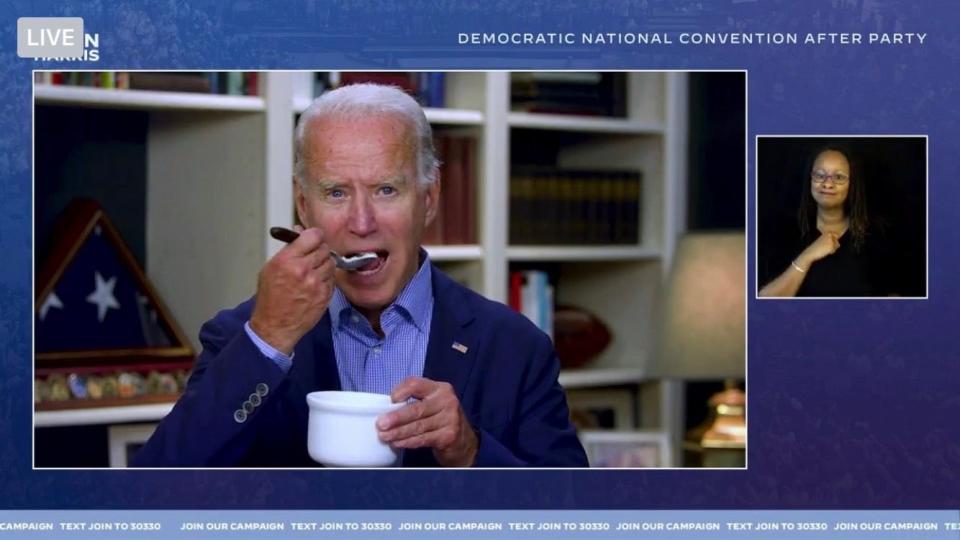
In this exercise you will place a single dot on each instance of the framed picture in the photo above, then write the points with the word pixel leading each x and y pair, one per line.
pixel 633 449
pixel 602 409
pixel 125 440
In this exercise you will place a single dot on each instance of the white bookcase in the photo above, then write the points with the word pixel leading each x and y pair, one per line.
pixel 219 175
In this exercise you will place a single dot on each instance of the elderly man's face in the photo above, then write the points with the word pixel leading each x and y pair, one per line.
pixel 363 193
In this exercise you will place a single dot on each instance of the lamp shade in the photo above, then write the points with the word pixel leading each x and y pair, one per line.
pixel 703 325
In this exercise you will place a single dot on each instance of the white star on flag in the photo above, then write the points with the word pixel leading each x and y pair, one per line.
pixel 102 296
pixel 52 301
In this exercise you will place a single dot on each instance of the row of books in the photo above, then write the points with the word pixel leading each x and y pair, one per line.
pixel 456 221
pixel 234 83
pixel 426 87
pixel 583 93
pixel 550 206
pixel 532 295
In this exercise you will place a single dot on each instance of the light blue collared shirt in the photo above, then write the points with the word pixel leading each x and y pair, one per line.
pixel 367 362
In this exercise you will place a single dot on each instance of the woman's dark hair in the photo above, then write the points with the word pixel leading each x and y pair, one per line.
pixel 854 208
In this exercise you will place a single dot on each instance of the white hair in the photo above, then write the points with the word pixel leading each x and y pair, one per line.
pixel 360 100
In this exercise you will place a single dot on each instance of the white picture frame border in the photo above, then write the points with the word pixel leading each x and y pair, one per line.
pixel 594 439
pixel 121 435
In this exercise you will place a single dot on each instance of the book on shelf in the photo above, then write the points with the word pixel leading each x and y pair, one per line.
pixel 456 220
pixel 432 89
pixel 170 82
pixel 238 83
pixel 532 295
pixel 433 235
pixel 551 206
pixel 576 93
pixel 251 83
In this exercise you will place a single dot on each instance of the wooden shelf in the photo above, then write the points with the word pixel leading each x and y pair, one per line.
pixel 455 253
pixel 102 415
pixel 582 253
pixel 146 100
pixel 456 117
pixel 561 122
pixel 584 378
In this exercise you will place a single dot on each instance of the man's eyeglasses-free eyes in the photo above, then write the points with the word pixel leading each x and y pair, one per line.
pixel 821 177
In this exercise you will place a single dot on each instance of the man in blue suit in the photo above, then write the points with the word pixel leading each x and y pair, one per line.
pixel 481 380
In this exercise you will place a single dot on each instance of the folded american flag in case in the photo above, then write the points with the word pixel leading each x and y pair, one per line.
pixel 93 300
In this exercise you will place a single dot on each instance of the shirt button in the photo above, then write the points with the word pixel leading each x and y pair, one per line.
pixel 376 350
pixel 354 318
pixel 239 416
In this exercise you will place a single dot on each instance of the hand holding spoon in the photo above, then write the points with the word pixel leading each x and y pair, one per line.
pixel 346 263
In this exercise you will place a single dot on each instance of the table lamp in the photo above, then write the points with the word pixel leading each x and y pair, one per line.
pixel 703 337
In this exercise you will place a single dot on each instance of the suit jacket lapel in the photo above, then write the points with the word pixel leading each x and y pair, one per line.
pixel 449 326
pixel 452 348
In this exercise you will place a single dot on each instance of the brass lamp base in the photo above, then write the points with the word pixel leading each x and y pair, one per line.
pixel 721 440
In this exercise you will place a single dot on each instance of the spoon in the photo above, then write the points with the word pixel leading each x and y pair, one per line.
pixel 347 263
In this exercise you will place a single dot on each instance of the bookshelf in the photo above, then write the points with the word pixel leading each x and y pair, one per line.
pixel 232 158
pixel 145 100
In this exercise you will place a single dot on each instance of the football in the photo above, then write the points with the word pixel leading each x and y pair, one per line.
pixel 579 336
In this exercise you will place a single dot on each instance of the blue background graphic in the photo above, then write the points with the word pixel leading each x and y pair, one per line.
pixel 853 404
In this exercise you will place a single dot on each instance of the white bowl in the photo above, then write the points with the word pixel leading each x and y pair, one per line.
pixel 342 430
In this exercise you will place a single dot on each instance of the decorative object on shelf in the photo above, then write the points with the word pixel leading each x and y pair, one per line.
pixel 57 389
pixel 579 336
pixel 106 386
pixel 95 303
pixel 97 316
pixel 722 439
pixel 628 449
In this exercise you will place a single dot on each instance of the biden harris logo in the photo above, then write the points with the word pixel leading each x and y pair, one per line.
pixel 56 39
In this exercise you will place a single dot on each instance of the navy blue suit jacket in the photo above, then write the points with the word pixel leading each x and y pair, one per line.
pixel 506 382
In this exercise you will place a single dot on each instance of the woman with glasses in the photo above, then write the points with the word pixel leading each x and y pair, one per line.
pixel 828 254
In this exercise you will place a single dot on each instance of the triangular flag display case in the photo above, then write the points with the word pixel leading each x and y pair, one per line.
pixel 102 337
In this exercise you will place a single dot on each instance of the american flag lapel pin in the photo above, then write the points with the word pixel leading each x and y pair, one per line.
pixel 459 347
